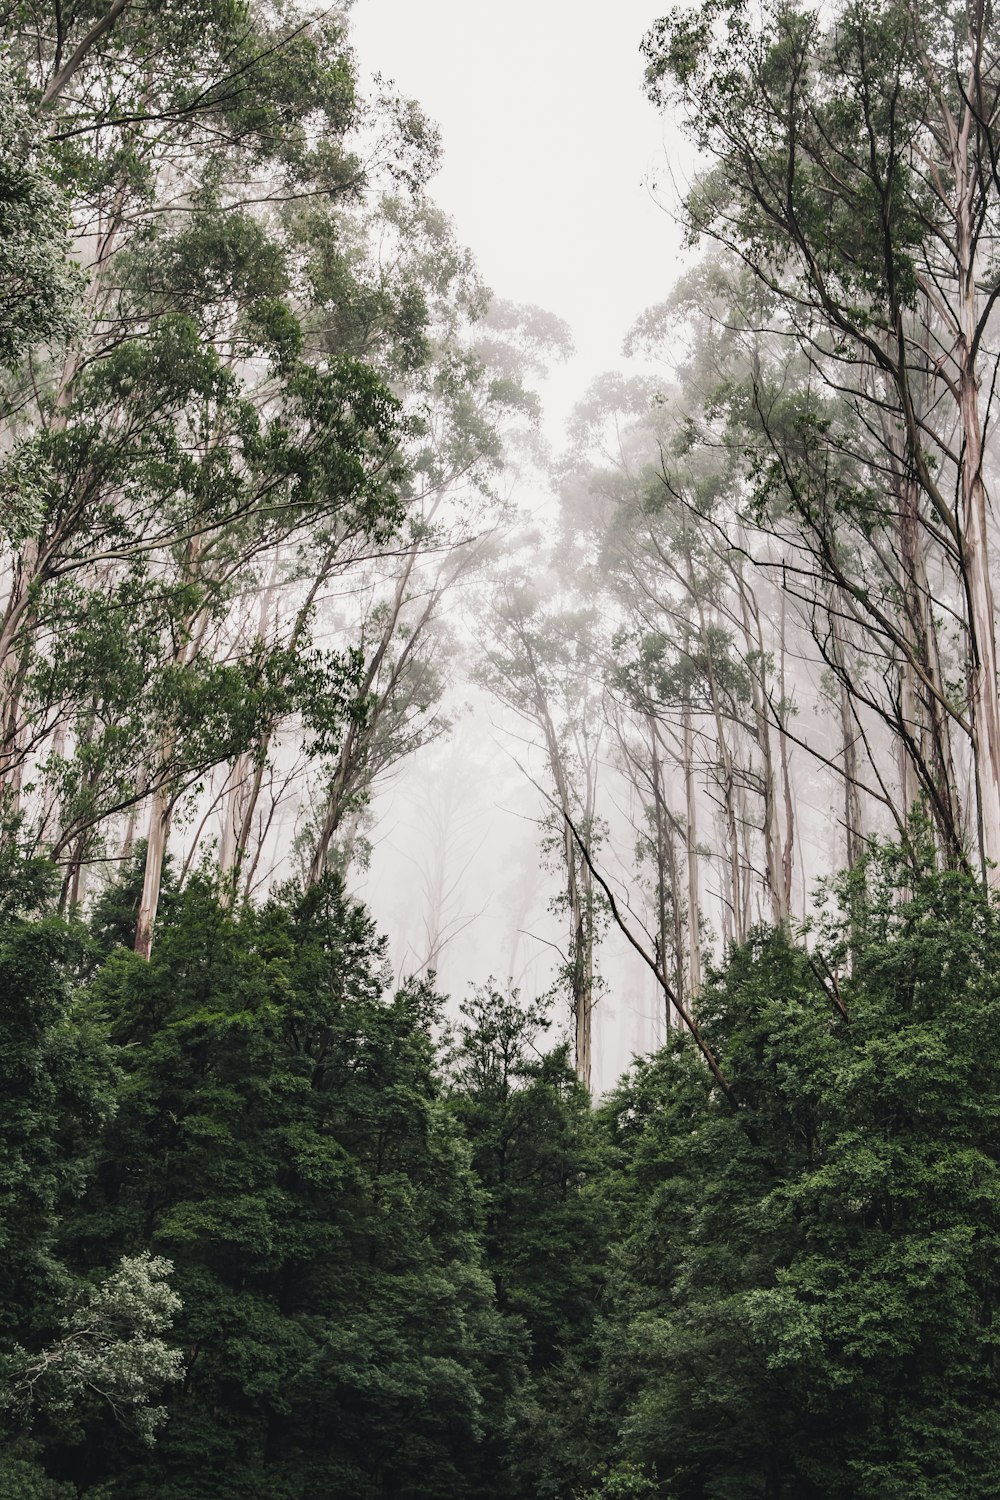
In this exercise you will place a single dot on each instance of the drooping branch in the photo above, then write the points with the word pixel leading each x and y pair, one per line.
pixel 661 979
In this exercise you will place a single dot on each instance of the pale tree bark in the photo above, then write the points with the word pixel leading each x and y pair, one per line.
pixel 926 763
pixel 524 681
pixel 15 656
pixel 583 946
pixel 64 74
pixel 132 820
pixel 726 780
pixel 910 718
pixel 164 780
pixel 646 760
pixel 778 881
pixel 854 830
pixel 683 1010
pixel 984 703
pixel 691 851
pixel 669 904
pixel 578 877
pixel 788 852
pixel 360 759
pixel 247 772
pixel 157 831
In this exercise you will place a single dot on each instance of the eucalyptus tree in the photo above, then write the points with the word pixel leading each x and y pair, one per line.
pixel 459 364
pixel 263 289
pixel 540 664
pixel 826 515
pixel 140 122
pixel 853 172
pixel 474 409
pixel 698 696
pixel 36 274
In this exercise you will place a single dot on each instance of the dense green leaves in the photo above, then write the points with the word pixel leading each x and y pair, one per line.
pixel 242 1217
pixel 279 1137
pixel 37 279
pixel 804 1302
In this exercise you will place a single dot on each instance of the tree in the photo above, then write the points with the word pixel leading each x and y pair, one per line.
pixel 110 1352
pixel 281 1136
pixel 200 420
pixel 70 1350
pixel 36 273
pixel 855 178
pixel 528 1121
pixel 803 1300
pixel 539 665
pixel 697 695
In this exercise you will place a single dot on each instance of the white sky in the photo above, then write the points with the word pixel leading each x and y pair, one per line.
pixel 549 149
pixel 549 145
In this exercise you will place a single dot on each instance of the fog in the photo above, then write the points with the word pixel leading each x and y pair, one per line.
pixel 561 175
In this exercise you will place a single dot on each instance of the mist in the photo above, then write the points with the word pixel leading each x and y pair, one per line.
pixel 499 752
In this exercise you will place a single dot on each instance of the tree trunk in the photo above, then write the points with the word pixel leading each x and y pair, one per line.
pixel 984 704
pixel 982 633
pixel 691 843
pixel 156 848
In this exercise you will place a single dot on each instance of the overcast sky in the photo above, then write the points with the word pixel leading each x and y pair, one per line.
pixel 549 150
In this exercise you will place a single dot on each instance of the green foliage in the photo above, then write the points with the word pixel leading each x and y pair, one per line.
pixel 280 1137
pixel 67 1348
pixel 271 338
pixel 769 97
pixel 57 1086
pixel 625 1482
pixel 535 1152
pixel 22 1477
pixel 110 1352
pixel 37 279
pixel 527 1118
pixel 804 1297
pixel 241 1215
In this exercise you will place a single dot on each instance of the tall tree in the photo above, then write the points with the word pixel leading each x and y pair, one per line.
pixel 855 176
pixel 538 664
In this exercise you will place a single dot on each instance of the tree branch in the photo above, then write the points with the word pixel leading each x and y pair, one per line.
pixel 674 999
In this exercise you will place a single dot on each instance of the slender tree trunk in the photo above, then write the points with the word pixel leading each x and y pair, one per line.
pixel 669 936
pixel 788 851
pixel 132 821
pixel 983 656
pixel 754 644
pixel 164 794
pixel 579 890
pixel 580 895
pixel 853 828
pixel 746 892
pixel 691 845
pixel 247 773
pixel 729 886
pixel 346 771
pixel 156 848
pixel 77 876
pixel 99 29
pixel 582 976
pixel 726 777
pixel 975 514
pixel 911 720
pixel 15 658
pixel 336 805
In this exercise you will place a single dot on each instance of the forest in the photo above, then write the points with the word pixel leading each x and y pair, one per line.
pixel 278 517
